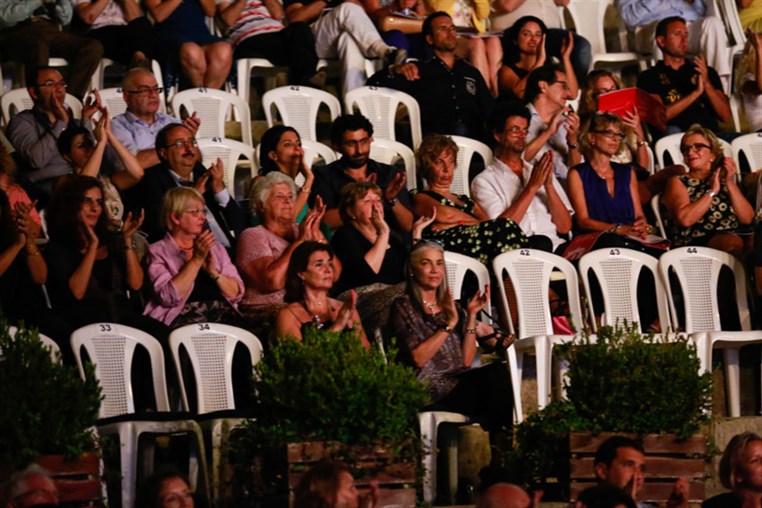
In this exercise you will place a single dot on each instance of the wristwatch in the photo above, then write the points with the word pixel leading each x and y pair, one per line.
pixel 392 202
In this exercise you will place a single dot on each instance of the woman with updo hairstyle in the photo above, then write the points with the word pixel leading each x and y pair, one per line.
pixel 331 485
pixel 740 471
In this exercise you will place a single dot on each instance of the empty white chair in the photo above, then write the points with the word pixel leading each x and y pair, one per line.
pixel 379 105
pixel 429 422
pixel 750 145
pixel 212 107
pixel 617 271
pixel 388 152
pixel 111 348
pixel 697 270
pixel 298 107
pixel 530 272
pixel 246 67
pixel 671 144
pixel 18 100
pixel 229 151
pixel 50 344
pixel 210 348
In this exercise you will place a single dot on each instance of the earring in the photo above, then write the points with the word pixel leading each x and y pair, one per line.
pixel 592 143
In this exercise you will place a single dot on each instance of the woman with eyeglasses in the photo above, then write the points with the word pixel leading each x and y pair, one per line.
pixel 191 273
pixel 167 489
pixel 706 204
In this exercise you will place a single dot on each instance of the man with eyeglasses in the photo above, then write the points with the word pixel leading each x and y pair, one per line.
pixel 30 33
pixel 511 188
pixel 34 132
pixel 180 165
pixel 31 487
pixel 553 125
pixel 691 90
pixel 137 127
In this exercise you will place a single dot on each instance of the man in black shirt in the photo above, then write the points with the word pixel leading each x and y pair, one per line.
pixel 452 94
pixel 352 135
pixel 692 91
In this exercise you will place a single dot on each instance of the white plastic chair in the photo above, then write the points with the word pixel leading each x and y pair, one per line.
pixel 212 107
pixel 617 271
pixel 467 147
pixel 210 348
pixel 55 351
pixel 111 348
pixel 529 271
pixel 229 151
pixel 298 107
pixel 429 422
pixel 671 145
pixel 379 105
pixel 18 100
pixel 750 145
pixel 247 67
pixel 656 208
pixel 313 152
pixel 697 269
pixel 589 20
pixel 113 99
pixel 386 151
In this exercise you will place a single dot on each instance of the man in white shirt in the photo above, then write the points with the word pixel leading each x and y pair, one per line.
pixel 511 188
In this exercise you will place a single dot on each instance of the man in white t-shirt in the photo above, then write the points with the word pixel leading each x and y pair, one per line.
pixel 511 188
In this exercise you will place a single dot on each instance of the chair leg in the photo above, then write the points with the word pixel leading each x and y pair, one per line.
pixel 429 437
pixel 518 413
pixel 543 371
pixel 128 456
pixel 732 380
pixel 451 446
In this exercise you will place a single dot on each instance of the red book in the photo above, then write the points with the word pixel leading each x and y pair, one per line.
pixel 618 102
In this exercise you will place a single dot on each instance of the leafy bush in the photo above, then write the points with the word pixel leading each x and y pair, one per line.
pixel 45 407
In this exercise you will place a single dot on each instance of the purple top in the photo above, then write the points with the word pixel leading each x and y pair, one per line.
pixel 255 243
pixel 600 204
pixel 165 260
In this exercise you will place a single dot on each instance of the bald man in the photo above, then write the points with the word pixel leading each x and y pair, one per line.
pixel 504 495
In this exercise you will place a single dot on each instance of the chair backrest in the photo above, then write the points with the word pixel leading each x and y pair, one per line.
pixel 671 144
pixel 212 107
pixel 617 271
pixel 728 11
pixel 750 145
pixel 210 347
pixel 18 100
pixel 388 152
pixel 656 208
pixel 457 266
pixel 588 17
pixel 698 269
pixel 313 151
pixel 529 271
pixel 113 99
pixel 111 348
pixel 379 105
pixel 229 151
pixel 298 107
pixel 55 351
pixel 467 147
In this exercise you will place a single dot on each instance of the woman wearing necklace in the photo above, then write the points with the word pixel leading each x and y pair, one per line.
pixel 309 279
pixel 192 276
pixel 439 339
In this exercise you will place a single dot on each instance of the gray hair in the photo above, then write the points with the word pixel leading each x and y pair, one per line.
pixel 261 187
pixel 17 484
pixel 135 71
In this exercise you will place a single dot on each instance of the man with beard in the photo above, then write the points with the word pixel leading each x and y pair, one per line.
pixel 510 188
pixel 351 136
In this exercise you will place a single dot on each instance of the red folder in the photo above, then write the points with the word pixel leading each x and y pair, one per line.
pixel 651 110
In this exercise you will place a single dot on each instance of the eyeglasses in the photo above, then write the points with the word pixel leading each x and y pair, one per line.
pixel 563 84
pixel 695 146
pixel 611 134
pixel 144 92
pixel 183 143
pixel 176 499
pixel 52 84
pixel 93 202
pixel 195 212
pixel 517 130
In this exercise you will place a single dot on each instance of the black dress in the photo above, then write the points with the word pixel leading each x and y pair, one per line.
pixel 350 246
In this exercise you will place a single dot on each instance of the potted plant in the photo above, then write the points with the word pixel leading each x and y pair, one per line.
pixel 46 411
pixel 620 382
pixel 327 397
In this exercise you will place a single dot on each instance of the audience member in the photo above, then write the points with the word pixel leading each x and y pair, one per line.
pixel 352 136
pixel 76 146
pixel 33 132
pixel 399 23
pixel 604 496
pixel 30 33
pixel 191 273
pixel 168 489
pixel 452 94
pixel 343 29
pixel 264 251
pixel 329 484
pixel 121 27
pixel 309 280
pixel 510 188
pixel 255 30
pixel 8 170
pixel 690 90
pixel 524 50
pixel 504 495
pixel 740 473
pixel 205 59
pixel 137 127
pixel 459 224
pixel 180 166
pixel 750 13
pixel 553 126
pixel 506 13
pixel 749 81
pixel 713 222
pixel 31 487
pixel 438 338
pixel 483 51
pixel 700 34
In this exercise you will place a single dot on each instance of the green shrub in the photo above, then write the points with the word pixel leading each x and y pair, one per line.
pixel 45 407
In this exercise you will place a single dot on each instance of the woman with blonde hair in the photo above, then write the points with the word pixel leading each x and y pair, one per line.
pixel 741 472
